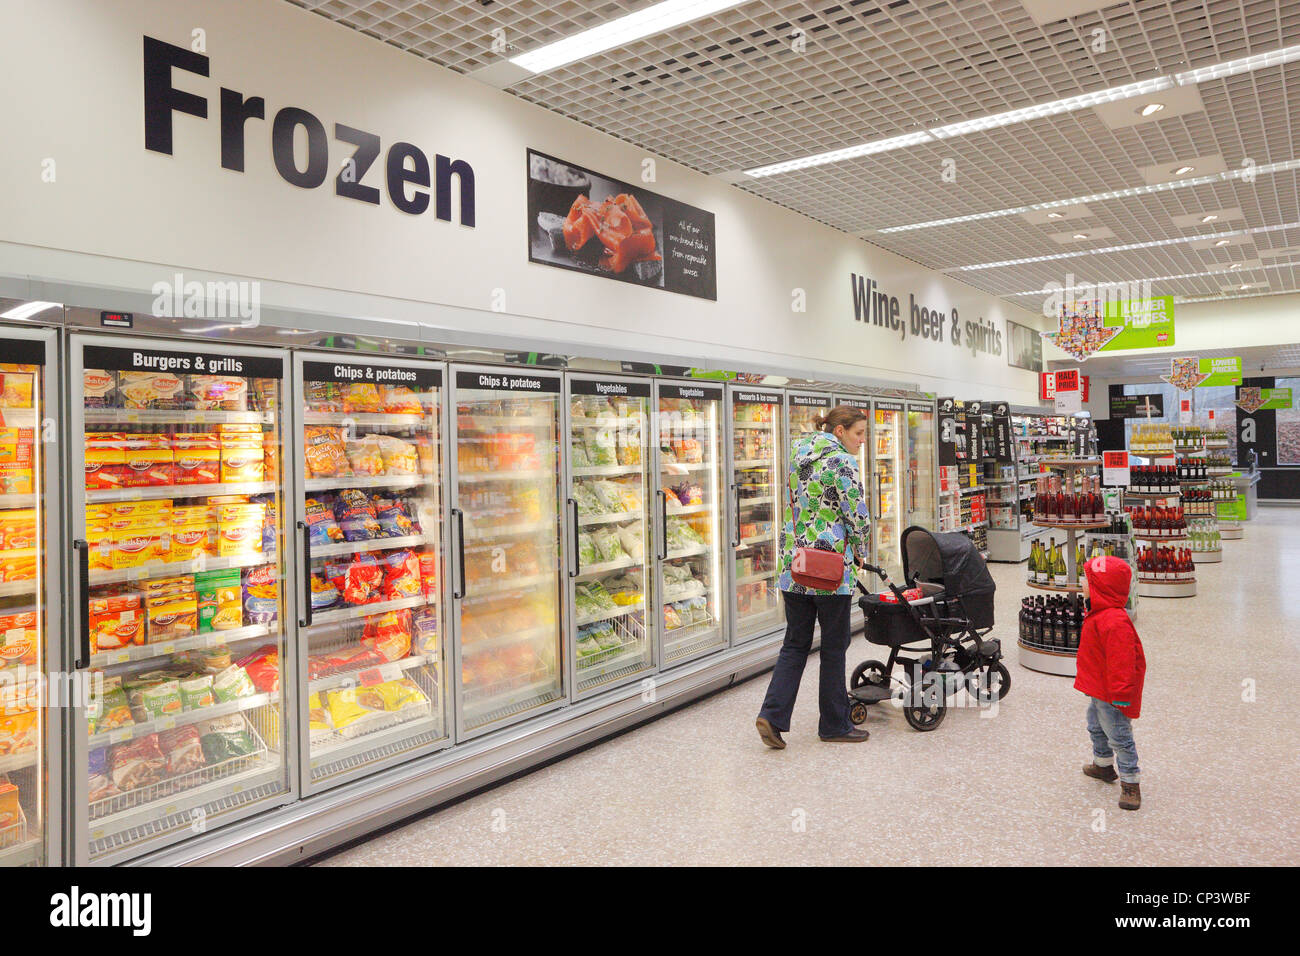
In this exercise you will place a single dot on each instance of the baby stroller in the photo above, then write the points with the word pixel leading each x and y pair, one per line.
pixel 945 626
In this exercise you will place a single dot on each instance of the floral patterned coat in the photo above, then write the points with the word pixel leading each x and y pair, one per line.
pixel 829 509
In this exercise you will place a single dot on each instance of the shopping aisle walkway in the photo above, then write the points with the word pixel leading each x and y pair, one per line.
pixel 697 787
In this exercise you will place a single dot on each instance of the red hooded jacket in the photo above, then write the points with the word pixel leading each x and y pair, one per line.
pixel 1111 665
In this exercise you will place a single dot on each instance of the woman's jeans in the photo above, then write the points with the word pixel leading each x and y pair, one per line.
pixel 802 611
pixel 1112 739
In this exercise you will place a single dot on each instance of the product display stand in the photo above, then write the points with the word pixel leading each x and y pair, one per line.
pixel 1160 454
pixel 1061 661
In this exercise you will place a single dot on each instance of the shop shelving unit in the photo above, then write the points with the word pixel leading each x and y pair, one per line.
pixel 1061 661
pixel 1038 433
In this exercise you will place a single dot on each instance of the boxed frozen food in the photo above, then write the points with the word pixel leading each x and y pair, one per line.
pixel 19 732
pixel 99 388
pixel 220 600
pixel 105 466
pixel 139 543
pixel 182 749
pixel 218 392
pixel 196 461
pixel 270 457
pixel 16 460
pixel 239 529
pixel 324 452
pixel 171 618
pixel 19 640
pixel 149 462
pixel 241 459
pixel 151 390
pixel 137 763
pixel 261 595
pixel 192 536
pixel 17 385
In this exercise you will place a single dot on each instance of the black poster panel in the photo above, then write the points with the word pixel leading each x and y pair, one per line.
pixel 582 386
pixel 582 220
pixel 1256 431
pixel 947 435
pixel 416 378
pixel 23 351
pixel 1135 406
pixel 1002 438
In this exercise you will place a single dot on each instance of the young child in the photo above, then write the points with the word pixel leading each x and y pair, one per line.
pixel 1111 667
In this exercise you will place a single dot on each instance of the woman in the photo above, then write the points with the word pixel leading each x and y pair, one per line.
pixel 827 510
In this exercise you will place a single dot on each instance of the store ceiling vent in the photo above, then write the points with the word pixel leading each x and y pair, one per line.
pixel 1051 11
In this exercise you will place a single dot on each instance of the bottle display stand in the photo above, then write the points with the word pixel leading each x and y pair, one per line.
pixel 1164 589
pixel 1061 661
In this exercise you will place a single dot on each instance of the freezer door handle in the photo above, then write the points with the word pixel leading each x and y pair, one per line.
pixel 459 592
pixel 663 525
pixel 577 554
pixel 83 603
pixel 305 618
pixel 880 495
pixel 735 496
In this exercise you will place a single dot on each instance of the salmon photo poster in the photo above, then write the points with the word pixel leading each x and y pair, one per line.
pixel 580 220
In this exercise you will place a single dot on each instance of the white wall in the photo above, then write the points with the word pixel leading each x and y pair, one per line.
pixel 123 216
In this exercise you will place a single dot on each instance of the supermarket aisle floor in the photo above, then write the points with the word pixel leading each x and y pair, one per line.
pixel 697 787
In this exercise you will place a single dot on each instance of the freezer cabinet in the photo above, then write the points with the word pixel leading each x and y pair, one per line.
pixel 31 601
pixel 756 484
pixel 180 585
pixel 691 516
pixel 611 634
pixel 505 582
pixel 369 522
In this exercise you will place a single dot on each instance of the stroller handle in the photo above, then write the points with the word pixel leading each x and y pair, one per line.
pixel 878 572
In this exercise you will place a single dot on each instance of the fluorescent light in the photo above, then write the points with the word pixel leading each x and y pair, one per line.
pixel 1228 176
pixel 1151 108
pixel 655 19
pixel 1028 260
pixel 1081 235
pixel 1210 218
pixel 838 155
pixel 1224 242
pixel 1244 64
pixel 1181 275
pixel 1235 265
pixel 28 309
pixel 1183 170
pixel 1054 107
pixel 1056 215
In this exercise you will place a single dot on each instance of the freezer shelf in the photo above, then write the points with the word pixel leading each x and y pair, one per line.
pixel 111 495
pixel 146 652
pixel 376 544
pixel 145 728
pixel 155 569
pixel 367 610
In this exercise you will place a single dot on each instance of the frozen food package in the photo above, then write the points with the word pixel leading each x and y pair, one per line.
pixel 226 738
pixel 394 517
pixel 232 684
pixel 587 551
pixel 365 456
pixel 101 785
pixel 359 580
pixel 196 692
pixel 401 575
pixel 324 452
pixel 322 529
pixel 324 397
pixel 630 539
pixel 137 763
pixel 19 640
pixel 424 632
pixel 389 634
pixel 400 457
pixel 429 573
pixel 608 545
pixel 171 617
pixel 110 708
pixel 162 700
pixel 424 451
pixel 579 454
pixel 400 400
pixel 263 668
pixel 361 397
pixel 347 659
pixel 99 387
pixel 672 620
pixel 182 749
pixel 324 594
pixel 161 390
pixel 261 595
pixel 318 719
pixel 241 460
pixel 629 443
pixel 356 516
pixel 601 447
pixel 196 462
pixel 224 392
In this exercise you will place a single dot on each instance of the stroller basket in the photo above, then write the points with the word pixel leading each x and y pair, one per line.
pixel 889 624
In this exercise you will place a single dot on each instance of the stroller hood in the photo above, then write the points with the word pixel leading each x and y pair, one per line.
pixel 950 558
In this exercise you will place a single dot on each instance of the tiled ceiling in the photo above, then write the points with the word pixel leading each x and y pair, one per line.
pixel 768 81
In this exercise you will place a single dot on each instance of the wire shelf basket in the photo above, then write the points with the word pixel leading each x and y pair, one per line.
pixel 631 635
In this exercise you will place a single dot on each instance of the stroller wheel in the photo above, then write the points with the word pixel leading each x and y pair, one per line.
pixel 858 713
pixel 869 672
pixel 924 708
pixel 989 683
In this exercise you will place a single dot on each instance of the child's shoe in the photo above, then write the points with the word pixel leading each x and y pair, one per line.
pixel 1106 774
pixel 1130 796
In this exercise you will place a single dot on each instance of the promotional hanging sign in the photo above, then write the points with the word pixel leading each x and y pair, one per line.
pixel 1190 372
pixel 1047 386
pixel 1114 469
pixel 1253 399
pixel 1184 411
pixel 587 222
pixel 1107 325
pixel 1068 395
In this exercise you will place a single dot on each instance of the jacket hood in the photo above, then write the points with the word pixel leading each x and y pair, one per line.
pixel 1108 582
pixel 816 446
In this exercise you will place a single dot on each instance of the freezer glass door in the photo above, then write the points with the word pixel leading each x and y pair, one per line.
pixel 864 475
pixel 691 520
pixel 181 544
pixel 507 527
pixel 370 529
pixel 756 488
pixel 27 647
pixel 609 468
pixel 802 415
pixel 921 450
pixel 885 489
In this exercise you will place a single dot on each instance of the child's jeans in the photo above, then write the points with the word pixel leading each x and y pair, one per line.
pixel 1112 738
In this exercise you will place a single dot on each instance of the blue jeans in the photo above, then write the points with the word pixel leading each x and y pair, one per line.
pixel 802 612
pixel 1112 739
